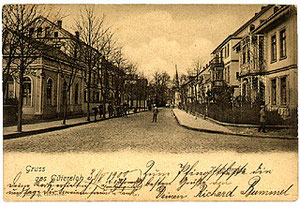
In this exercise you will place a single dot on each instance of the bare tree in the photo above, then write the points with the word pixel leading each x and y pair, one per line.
pixel 26 44
pixel 68 74
pixel 198 66
pixel 160 84
pixel 92 31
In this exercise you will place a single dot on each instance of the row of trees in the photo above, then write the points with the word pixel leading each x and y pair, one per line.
pixel 94 49
pixel 160 88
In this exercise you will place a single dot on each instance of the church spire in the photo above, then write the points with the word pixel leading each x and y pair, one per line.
pixel 176 77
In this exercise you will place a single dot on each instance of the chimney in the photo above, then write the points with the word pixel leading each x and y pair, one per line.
pixel 77 34
pixel 59 23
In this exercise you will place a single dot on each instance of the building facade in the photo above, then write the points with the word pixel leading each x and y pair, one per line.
pixel 268 61
pixel 258 62
pixel 60 74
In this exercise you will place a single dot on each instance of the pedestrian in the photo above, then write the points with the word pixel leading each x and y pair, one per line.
pixel 95 112
pixel 125 110
pixel 155 113
pixel 110 110
pixel 149 107
pixel 262 119
pixel 100 110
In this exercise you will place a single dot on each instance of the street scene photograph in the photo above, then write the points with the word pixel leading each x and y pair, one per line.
pixel 150 102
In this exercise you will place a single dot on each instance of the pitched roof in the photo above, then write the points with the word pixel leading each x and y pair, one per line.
pixel 244 26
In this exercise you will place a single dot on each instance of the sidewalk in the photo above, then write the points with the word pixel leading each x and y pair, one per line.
pixel 199 124
pixel 38 128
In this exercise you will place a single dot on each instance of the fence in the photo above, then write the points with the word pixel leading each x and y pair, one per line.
pixel 240 115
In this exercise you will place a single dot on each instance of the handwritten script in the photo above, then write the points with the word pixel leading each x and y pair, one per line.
pixel 185 181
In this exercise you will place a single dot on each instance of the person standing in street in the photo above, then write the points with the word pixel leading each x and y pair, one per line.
pixel 262 119
pixel 100 110
pixel 155 113
pixel 125 110
pixel 110 110
pixel 95 113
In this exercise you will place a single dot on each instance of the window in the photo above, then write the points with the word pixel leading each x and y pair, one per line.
pixel 273 91
pixel 222 54
pixel 219 74
pixel 273 49
pixel 282 43
pixel 65 92
pixel 244 90
pixel 39 31
pixel 248 55
pixel 227 50
pixel 85 96
pixel 49 91
pixel 76 93
pixel 93 96
pixel 228 74
pixel 47 31
pixel 27 91
pixel 255 83
pixel 98 97
pixel 283 93
pixel 9 93
pixel 94 79
pixel 56 34
pixel 244 55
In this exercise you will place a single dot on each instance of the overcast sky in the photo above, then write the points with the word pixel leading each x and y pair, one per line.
pixel 157 37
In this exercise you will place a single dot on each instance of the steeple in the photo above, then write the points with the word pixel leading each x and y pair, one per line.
pixel 176 77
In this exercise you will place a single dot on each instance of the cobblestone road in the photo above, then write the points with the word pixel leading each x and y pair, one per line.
pixel 139 134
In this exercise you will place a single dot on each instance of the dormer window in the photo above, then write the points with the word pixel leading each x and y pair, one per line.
pixel 56 34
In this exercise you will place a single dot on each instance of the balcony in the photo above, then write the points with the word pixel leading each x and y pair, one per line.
pixel 252 56
pixel 216 70
pixel 216 62
pixel 218 83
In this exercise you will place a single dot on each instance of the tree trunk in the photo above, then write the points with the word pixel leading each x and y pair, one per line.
pixel 20 103
pixel 89 95
pixel 65 107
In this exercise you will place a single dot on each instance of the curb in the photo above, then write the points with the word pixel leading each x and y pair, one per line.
pixel 55 128
pixel 227 124
pixel 230 133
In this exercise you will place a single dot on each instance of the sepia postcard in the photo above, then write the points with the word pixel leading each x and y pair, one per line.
pixel 150 102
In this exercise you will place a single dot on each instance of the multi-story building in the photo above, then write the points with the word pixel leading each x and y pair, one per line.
pixel 259 61
pixel 224 66
pixel 60 73
pixel 226 70
pixel 268 60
